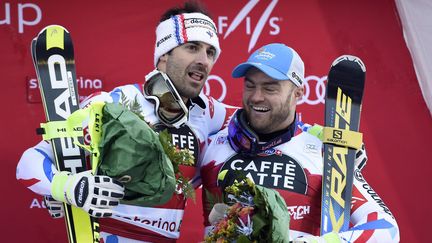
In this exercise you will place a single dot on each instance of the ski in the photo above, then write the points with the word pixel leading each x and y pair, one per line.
pixel 344 95
pixel 53 57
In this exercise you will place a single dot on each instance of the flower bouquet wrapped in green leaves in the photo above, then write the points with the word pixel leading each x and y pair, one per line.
pixel 251 213
pixel 126 148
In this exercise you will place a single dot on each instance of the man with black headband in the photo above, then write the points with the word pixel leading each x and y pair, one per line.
pixel 263 143
pixel 186 49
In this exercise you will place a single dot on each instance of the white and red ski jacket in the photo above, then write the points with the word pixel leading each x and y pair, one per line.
pixel 150 224
pixel 295 170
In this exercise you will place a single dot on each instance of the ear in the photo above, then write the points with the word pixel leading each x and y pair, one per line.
pixel 298 93
pixel 161 65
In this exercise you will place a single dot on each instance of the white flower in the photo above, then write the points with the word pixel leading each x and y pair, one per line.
pixel 245 229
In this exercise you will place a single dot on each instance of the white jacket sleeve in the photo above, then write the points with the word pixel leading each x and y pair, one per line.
pixel 36 168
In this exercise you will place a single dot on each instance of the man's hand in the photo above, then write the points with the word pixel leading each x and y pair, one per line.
pixel 55 208
pixel 97 195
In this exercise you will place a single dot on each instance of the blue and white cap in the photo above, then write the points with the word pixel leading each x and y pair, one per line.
pixel 277 60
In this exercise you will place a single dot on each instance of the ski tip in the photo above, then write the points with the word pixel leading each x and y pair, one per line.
pixel 53 26
pixel 350 58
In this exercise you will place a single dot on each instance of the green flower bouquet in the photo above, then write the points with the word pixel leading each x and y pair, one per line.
pixel 251 213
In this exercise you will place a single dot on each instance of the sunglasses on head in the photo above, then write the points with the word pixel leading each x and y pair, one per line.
pixel 169 106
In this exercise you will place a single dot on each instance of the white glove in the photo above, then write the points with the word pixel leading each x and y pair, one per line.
pixel 55 208
pixel 361 158
pixel 97 195
pixel 327 238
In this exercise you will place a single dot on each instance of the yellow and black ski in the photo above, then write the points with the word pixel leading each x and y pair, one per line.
pixel 53 57
pixel 345 87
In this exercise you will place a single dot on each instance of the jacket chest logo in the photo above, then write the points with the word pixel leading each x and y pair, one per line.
pixel 274 171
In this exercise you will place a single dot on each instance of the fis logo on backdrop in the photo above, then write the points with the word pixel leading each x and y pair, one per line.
pixel 242 17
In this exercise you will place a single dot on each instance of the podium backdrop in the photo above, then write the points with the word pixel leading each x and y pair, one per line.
pixel 114 43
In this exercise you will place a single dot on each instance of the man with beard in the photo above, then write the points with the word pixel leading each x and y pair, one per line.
pixel 263 143
pixel 171 98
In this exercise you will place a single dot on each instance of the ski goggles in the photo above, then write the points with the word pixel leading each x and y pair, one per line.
pixel 245 141
pixel 169 106
pixel 241 138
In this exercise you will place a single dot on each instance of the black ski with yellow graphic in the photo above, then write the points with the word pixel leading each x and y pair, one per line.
pixel 345 87
pixel 53 57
